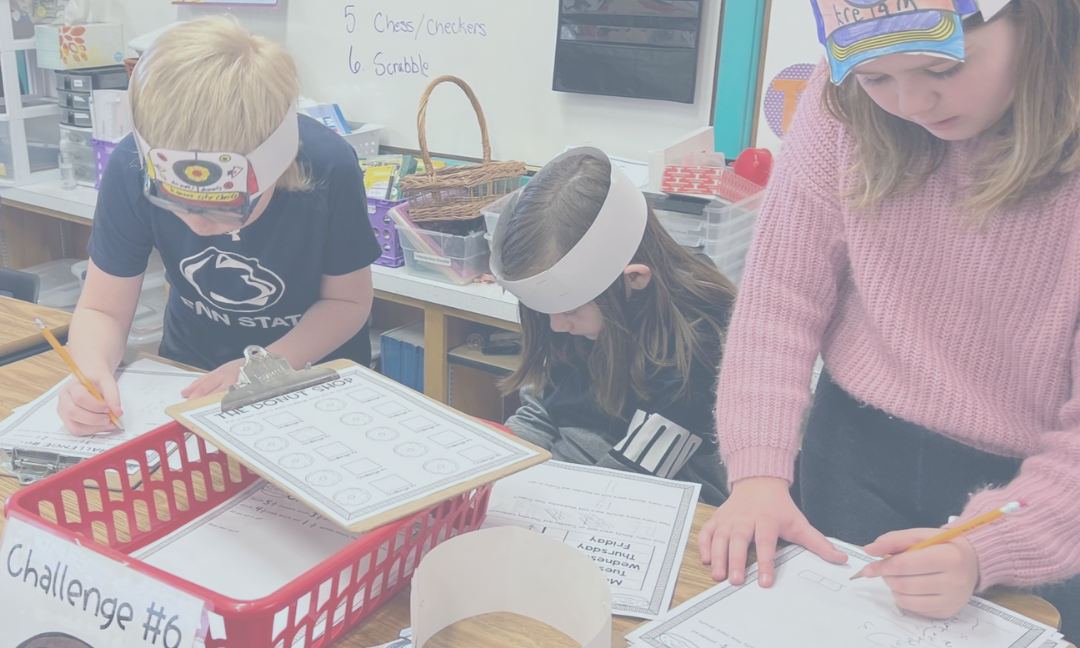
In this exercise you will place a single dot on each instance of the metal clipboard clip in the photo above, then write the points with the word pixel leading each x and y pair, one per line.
pixel 266 375
pixel 30 466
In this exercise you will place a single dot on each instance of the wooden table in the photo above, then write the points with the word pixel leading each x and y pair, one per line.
pixel 19 337
pixel 25 380
pixel 502 629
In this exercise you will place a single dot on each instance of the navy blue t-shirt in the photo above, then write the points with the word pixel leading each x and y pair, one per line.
pixel 252 286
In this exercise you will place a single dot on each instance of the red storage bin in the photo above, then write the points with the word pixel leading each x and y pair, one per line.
pixel 310 612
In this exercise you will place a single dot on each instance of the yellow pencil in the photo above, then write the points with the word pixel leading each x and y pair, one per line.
pixel 79 375
pixel 959 530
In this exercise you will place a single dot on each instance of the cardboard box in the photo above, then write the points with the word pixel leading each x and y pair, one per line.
pixel 72 47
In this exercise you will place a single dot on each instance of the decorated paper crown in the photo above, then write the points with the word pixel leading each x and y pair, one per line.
pixel 857 31
pixel 596 261
pixel 221 185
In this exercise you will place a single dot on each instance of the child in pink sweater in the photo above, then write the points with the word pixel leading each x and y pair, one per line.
pixel 922 233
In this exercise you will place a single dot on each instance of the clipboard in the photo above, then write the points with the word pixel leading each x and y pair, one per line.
pixel 21 459
pixel 29 466
pixel 353 445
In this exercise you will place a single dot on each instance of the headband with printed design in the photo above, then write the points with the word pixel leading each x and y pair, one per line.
pixel 857 31
pixel 218 183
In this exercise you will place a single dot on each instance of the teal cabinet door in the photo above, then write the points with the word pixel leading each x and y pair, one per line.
pixel 741 36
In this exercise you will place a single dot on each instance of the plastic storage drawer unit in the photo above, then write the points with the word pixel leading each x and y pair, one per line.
pixel 721 231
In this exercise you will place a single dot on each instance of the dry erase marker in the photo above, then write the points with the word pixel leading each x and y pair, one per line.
pixel 79 375
pixel 957 531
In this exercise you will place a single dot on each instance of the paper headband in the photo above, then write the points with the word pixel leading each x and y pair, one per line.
pixel 857 31
pixel 596 261
pixel 218 181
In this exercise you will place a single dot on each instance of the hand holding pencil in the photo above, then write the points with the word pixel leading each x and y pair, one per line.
pixel 76 372
pixel 949 535
pixel 931 572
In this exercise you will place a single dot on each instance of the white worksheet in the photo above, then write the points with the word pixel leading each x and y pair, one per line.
pixel 358 446
pixel 633 526
pixel 813 603
pixel 146 386
pixel 250 546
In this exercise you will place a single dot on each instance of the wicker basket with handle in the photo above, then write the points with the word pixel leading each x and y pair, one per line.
pixel 457 192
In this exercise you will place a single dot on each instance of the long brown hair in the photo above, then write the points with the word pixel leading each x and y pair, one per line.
pixel 659 326
pixel 1035 150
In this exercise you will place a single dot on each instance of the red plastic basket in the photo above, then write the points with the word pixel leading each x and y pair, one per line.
pixel 310 612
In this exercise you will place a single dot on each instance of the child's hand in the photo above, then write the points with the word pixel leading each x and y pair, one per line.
pixel 760 511
pixel 218 380
pixel 936 582
pixel 83 414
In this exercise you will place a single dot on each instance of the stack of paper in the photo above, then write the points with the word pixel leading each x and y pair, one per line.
pixel 262 540
pixel 819 606
pixel 633 526
pixel 146 386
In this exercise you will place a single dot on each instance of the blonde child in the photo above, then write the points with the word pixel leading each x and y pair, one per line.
pixel 621 326
pixel 258 213
pixel 922 232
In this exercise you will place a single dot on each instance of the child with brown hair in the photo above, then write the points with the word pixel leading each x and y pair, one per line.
pixel 622 327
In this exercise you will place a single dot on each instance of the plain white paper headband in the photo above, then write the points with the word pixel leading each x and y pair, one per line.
pixel 596 261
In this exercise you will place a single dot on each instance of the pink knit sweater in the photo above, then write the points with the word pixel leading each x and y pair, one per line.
pixel 970 333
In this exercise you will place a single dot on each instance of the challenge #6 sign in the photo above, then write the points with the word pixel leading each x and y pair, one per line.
pixel 55 593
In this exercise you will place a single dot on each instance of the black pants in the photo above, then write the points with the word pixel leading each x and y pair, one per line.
pixel 863 473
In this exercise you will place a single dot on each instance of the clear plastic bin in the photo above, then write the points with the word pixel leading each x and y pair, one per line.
pixel 85 173
pixel 364 139
pixel 445 257
pixel 59 287
pixel 688 231
pixel 723 231
pixel 42 136
pixel 77 136
pixel 728 236
pixel 731 227
pixel 80 153
pixel 492 211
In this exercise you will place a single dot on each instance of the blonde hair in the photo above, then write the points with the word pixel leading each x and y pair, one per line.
pixel 672 322
pixel 210 85
pixel 1035 148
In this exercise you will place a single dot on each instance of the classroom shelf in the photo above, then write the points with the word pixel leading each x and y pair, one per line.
pixel 499 365
pixel 482 299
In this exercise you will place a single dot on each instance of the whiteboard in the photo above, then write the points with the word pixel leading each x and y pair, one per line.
pixel 792 51
pixel 375 57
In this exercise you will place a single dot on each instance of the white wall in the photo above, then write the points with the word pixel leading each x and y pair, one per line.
pixel 510 71
pixel 137 16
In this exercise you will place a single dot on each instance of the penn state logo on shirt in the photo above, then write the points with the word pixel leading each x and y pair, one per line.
pixel 232 282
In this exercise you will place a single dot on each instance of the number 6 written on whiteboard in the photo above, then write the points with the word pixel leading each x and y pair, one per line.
pixel 354 66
